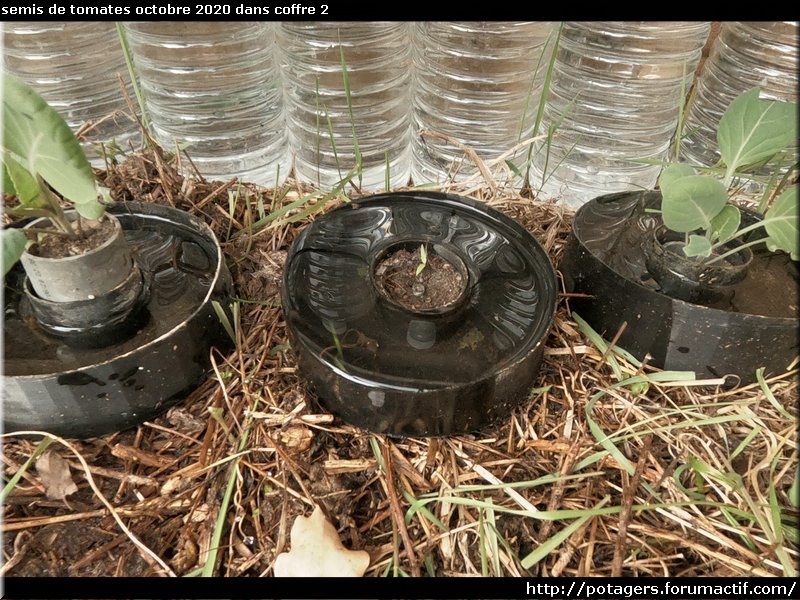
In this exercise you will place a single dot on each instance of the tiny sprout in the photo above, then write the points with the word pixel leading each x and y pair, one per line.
pixel 423 259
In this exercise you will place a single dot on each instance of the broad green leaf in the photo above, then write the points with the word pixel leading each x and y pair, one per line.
pixel 674 172
pixel 14 242
pixel 43 142
pixel 780 221
pixel 8 184
pixel 698 245
pixel 689 203
pixel 24 185
pixel 753 130
pixel 725 225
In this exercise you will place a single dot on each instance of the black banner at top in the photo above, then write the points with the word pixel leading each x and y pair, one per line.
pixel 336 10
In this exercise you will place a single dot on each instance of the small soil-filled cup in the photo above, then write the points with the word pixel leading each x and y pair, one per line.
pixel 700 280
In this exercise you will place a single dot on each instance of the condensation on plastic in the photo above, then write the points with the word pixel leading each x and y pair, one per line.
pixel 614 102
pixel 744 55
pixel 214 89
pixel 478 84
pixel 76 67
pixel 377 56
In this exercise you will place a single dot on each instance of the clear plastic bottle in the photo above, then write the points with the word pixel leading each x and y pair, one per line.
pixel 744 55
pixel 214 88
pixel 378 60
pixel 76 67
pixel 479 84
pixel 614 101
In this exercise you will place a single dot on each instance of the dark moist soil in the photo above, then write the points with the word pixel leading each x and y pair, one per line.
pixel 770 288
pixel 438 285
pixel 94 235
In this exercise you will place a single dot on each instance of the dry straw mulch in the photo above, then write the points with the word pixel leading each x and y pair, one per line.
pixel 675 480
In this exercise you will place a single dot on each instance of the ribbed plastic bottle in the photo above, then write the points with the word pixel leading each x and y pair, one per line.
pixel 614 102
pixel 478 86
pixel 322 132
pixel 76 66
pixel 214 89
pixel 744 55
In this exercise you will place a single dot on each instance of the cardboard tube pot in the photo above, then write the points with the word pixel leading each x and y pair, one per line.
pixel 81 277
pixel 48 384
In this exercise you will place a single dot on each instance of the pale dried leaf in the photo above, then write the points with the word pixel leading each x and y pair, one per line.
pixel 296 438
pixel 200 513
pixel 318 552
pixel 54 474
pixel 175 485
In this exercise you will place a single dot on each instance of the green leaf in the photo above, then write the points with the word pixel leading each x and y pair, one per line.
pixel 423 259
pixel 14 242
pixel 699 245
pixel 675 172
pixel 689 203
pixel 780 221
pixel 8 184
pixel 24 185
pixel 45 145
pixel 725 225
pixel 753 130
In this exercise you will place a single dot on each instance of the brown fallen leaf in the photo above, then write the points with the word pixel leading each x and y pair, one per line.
pixel 54 474
pixel 318 552
pixel 296 438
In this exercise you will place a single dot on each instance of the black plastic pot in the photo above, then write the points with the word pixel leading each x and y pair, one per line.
pixel 83 392
pixel 689 278
pixel 605 258
pixel 424 373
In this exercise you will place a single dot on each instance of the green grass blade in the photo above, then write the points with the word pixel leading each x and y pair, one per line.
pixel 348 96
pixel 415 507
pixel 126 51
pixel 545 93
pixel 603 439
pixel 12 483
pixel 501 540
pixel 547 81
pixel 600 343
pixel 223 318
pixel 745 442
pixel 794 492
pixel 776 518
pixel 376 452
pixel 491 533
pixel 555 541
pixel 219 525
pixel 388 181
pixel 482 545
pixel 770 396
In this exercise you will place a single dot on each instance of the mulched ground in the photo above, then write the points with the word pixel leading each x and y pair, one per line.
pixel 701 466
pixel 406 280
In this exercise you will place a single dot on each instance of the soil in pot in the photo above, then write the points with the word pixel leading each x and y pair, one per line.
pixel 179 277
pixel 766 290
pixel 616 229
pixel 84 391
pixel 753 326
pixel 692 278
pixel 445 351
pixel 93 235
pixel 438 285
